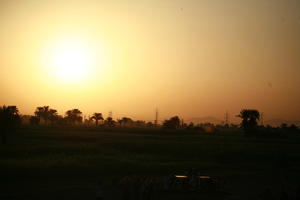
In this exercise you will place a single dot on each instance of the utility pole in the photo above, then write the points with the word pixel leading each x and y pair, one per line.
pixel 156 117
pixel 262 118
pixel 226 118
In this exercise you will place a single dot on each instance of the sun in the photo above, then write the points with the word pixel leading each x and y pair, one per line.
pixel 71 60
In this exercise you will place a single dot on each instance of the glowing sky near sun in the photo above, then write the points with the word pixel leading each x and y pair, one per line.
pixel 191 58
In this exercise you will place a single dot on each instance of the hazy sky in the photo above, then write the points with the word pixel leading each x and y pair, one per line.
pixel 185 57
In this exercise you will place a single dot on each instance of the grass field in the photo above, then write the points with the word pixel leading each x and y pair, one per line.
pixel 66 163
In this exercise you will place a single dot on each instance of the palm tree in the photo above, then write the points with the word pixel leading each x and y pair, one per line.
pixel 9 120
pixel 73 116
pixel 97 117
pixel 249 119
pixel 110 122
pixel 43 112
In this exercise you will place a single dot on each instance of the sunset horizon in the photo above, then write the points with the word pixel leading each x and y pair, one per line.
pixel 193 59
pixel 150 99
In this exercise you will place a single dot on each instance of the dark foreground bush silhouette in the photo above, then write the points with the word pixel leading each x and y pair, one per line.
pixel 9 121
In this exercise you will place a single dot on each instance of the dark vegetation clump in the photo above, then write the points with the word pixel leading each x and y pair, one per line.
pixel 172 123
pixel 9 121
pixel 249 120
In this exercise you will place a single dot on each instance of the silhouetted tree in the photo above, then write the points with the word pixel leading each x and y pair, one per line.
pixel 97 117
pixel 53 115
pixel 74 116
pixel 125 121
pixel 110 122
pixel 43 113
pixel 172 123
pixel 9 120
pixel 46 113
pixel 249 120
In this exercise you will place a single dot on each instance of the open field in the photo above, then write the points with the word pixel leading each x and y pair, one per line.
pixel 66 163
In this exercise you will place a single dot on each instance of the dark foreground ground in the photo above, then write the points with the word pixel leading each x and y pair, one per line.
pixel 67 163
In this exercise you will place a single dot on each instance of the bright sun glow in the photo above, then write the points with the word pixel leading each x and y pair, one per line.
pixel 72 60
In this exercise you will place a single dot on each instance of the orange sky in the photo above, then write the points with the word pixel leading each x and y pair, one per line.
pixel 192 58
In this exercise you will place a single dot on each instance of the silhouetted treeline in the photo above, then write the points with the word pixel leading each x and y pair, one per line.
pixel 45 115
pixel 10 119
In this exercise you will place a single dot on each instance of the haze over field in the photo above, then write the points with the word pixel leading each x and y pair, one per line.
pixel 191 58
